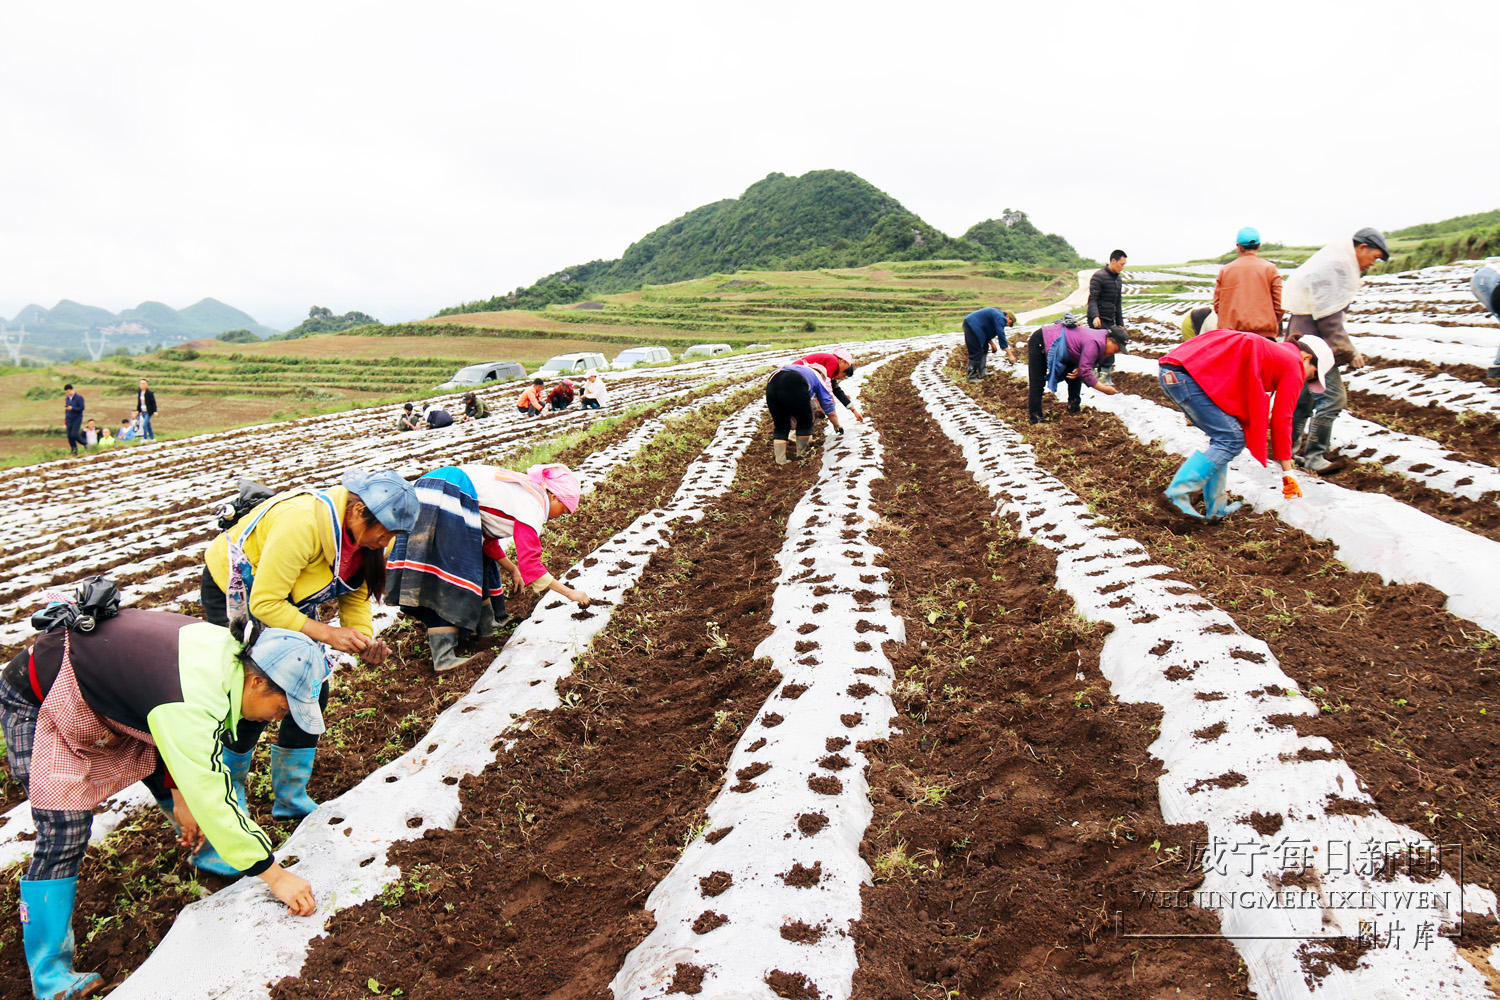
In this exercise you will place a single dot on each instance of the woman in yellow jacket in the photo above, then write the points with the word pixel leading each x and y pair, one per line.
pixel 282 560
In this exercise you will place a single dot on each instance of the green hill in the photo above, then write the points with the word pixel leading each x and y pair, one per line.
pixel 1448 227
pixel 321 320
pixel 1014 239
pixel 822 219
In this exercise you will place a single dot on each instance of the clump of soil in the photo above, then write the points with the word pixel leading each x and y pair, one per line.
pixel 796 930
pixel 687 979
pixel 792 986
pixel 802 877
pixel 709 920
pixel 811 823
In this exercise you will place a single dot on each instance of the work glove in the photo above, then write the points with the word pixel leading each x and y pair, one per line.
pixel 1290 490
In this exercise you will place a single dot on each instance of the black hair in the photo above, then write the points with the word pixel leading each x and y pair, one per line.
pixel 247 631
pixel 67 387
pixel 372 561
pixel 408 407
pixel 538 381
pixel 1116 254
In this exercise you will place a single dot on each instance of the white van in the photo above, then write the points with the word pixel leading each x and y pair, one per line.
pixel 572 364
pixel 706 351
pixel 632 356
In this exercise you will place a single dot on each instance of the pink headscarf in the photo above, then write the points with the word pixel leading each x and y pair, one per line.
pixel 559 480
pixel 844 356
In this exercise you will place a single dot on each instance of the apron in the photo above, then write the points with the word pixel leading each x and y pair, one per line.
pixel 242 574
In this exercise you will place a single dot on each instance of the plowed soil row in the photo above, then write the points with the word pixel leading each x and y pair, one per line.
pixel 131 889
pixel 1472 436
pixel 1015 807
pixel 539 891
pixel 1404 686
pixel 1479 516
pixel 1469 373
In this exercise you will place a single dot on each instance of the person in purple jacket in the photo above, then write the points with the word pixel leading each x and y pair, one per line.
pixel 789 396
pixel 1067 351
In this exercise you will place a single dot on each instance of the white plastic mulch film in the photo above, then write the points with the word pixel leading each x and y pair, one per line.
pixel 1225 758
pixel 782 844
pixel 342 845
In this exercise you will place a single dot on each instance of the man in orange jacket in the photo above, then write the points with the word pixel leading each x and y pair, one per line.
pixel 1247 294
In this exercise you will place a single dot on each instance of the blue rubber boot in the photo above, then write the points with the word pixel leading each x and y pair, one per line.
pixel 207 859
pixel 1190 478
pixel 1216 495
pixel 290 772
pixel 47 935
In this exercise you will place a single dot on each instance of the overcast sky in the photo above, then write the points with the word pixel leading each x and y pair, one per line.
pixel 397 158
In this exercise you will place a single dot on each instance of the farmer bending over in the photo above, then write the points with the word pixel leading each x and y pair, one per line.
pixel 145 695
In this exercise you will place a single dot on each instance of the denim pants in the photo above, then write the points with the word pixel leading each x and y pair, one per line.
pixel 1324 408
pixel 146 434
pixel 1226 438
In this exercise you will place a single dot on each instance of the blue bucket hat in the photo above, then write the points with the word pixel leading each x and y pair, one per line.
pixel 299 667
pixel 390 498
pixel 1248 237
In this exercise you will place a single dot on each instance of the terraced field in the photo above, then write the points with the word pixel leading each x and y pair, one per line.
pixel 950 709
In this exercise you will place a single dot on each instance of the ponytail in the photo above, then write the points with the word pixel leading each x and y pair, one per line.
pixel 247 631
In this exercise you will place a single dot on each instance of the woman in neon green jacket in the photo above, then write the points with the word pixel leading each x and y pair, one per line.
pixel 146 695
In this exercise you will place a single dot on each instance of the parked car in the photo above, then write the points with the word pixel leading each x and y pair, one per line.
pixel 706 351
pixel 490 371
pixel 761 347
pixel 632 356
pixel 572 364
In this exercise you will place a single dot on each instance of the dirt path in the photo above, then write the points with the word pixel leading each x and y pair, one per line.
pixel 1015 809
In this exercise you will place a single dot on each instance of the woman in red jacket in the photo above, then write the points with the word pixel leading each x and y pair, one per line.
pixel 1223 381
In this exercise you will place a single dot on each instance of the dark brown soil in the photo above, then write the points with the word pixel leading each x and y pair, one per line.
pixel 1015 807
pixel 1469 373
pixel 1472 436
pixel 539 891
pixel 1480 516
pixel 1404 687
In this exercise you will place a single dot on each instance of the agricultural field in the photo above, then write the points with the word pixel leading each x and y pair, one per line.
pixel 949 709
pixel 208 385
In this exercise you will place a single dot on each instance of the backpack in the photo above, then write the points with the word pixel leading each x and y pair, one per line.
pixel 95 600
pixel 251 495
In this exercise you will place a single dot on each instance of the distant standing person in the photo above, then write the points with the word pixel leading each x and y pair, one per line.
pixel 1106 303
pixel 1067 351
pixel 73 416
pixel 984 327
pixel 145 405
pixel 1317 295
pixel 1486 286
pixel 1247 293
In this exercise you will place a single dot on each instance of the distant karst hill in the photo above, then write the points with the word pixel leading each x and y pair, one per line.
pixel 70 328
pixel 824 218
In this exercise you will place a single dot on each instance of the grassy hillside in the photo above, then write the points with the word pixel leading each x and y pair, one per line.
pixel 211 385
pixel 822 219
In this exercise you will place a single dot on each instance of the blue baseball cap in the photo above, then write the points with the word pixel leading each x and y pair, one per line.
pixel 299 667
pixel 390 498
pixel 1248 237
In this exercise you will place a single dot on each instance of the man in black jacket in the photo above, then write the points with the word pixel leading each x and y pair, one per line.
pixel 145 405
pixel 1106 311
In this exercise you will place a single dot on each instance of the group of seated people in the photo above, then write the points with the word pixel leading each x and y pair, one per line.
pixel 96 437
pixel 534 401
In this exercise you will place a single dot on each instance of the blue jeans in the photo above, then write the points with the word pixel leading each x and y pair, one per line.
pixel 1226 438
pixel 146 434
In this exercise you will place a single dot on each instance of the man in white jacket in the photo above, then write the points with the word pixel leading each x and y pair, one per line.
pixel 1316 296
